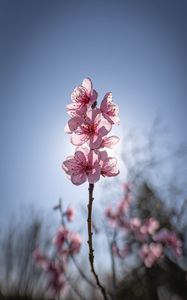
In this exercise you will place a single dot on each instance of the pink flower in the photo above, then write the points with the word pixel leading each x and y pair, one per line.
pixel 83 96
pixel 61 237
pixel 170 239
pixel 73 123
pixel 111 216
pixel 70 214
pixel 108 165
pixel 109 141
pixel 40 259
pixel 109 109
pixel 75 242
pixel 135 223
pixel 91 130
pixel 84 165
pixel 152 225
pixel 56 281
pixel 150 253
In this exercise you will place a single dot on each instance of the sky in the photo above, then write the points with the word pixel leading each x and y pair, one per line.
pixel 136 49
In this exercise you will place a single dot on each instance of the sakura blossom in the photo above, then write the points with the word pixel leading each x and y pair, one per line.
pixel 83 166
pixel 91 130
pixel 61 237
pixel 152 240
pixel 150 253
pixel 75 242
pixel 54 264
pixel 54 270
pixel 89 127
pixel 170 240
pixel 82 97
pixel 108 165
pixel 109 109
pixel 70 213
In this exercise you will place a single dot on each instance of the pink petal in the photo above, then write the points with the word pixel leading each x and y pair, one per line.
pixel 114 119
pixel 78 179
pixel 91 115
pixel 109 167
pixel 95 141
pixel 87 84
pixel 69 165
pixel 95 115
pixel 73 123
pixel 104 104
pixel 93 97
pixel 93 158
pixel 94 174
pixel 79 139
pixel 110 141
pixel 104 127
pixel 67 129
pixel 80 157
pixel 103 155
pixel 83 149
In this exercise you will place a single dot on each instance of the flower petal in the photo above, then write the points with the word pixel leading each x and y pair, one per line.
pixel 93 97
pixel 72 124
pixel 79 139
pixel 94 141
pixel 104 127
pixel 80 157
pixel 94 174
pixel 78 179
pixel 104 103
pixel 87 84
pixel 110 141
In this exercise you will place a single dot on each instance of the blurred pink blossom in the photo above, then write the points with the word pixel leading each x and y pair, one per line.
pixel 70 212
pixel 40 259
pixel 170 239
pixel 150 253
pixel 61 237
pixel 75 242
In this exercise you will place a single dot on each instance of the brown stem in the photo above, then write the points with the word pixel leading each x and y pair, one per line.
pixel 91 251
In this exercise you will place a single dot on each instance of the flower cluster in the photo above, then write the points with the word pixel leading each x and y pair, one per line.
pixel 148 234
pixel 55 271
pixel 67 244
pixel 89 127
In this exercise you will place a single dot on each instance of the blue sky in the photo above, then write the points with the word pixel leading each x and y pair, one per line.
pixel 136 49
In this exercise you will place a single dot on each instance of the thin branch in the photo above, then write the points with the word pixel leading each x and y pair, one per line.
pixel 111 243
pixel 91 251
pixel 76 291
pixel 114 284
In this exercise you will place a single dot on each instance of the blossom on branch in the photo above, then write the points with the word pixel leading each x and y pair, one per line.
pixel 82 97
pixel 89 127
pixel 83 166
pixel 109 109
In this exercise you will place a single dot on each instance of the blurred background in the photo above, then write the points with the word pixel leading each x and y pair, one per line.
pixel 137 50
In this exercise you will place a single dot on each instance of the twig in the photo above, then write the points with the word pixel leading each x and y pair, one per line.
pixel 91 251
pixel 76 291
pixel 114 285
pixel 113 265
